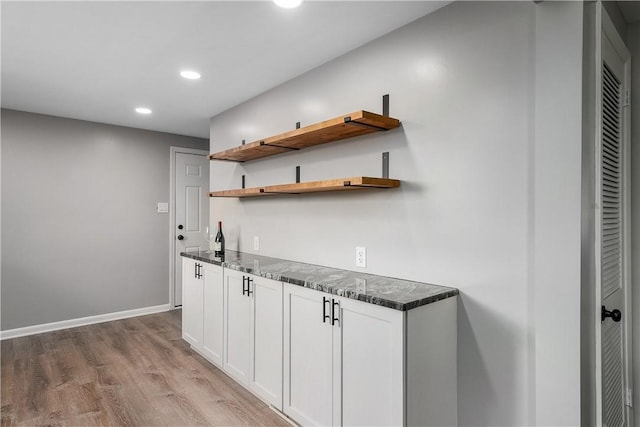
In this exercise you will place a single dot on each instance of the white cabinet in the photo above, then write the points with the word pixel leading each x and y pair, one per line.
pixel 192 307
pixel 343 360
pixel 308 356
pixel 370 363
pixel 253 334
pixel 202 305
pixel 357 364
pixel 265 373
pixel 323 359
pixel 237 329
pixel 213 317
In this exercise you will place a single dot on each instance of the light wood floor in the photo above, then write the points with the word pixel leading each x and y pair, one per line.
pixel 132 372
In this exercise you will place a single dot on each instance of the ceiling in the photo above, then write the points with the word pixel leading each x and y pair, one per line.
pixel 98 61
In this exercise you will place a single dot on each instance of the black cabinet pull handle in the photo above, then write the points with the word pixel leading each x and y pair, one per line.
pixel 249 291
pixel 180 227
pixel 244 279
pixel 195 270
pixel 335 319
pixel 325 316
pixel 180 237
pixel 615 315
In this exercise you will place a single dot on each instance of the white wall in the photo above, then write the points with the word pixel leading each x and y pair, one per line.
pixel 633 43
pixel 80 235
pixel 478 172
pixel 557 210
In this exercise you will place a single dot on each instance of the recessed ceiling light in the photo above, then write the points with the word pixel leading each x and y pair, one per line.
pixel 191 75
pixel 143 110
pixel 288 4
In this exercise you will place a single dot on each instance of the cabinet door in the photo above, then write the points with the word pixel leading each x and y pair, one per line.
pixel 308 346
pixel 191 304
pixel 370 364
pixel 213 336
pixel 266 340
pixel 237 329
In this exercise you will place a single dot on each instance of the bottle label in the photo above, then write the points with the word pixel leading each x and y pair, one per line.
pixel 217 246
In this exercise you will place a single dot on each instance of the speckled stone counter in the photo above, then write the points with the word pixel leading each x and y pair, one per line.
pixel 398 294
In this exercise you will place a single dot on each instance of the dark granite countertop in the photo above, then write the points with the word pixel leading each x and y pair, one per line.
pixel 398 294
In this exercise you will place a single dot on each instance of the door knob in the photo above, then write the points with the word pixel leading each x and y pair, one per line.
pixel 180 227
pixel 180 237
pixel 615 315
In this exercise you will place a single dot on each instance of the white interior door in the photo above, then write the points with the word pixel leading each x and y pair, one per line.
pixel 613 247
pixel 191 213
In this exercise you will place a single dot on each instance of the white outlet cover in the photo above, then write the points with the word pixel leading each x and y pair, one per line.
pixel 256 243
pixel 361 256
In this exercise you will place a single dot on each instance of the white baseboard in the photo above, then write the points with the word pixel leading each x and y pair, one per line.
pixel 82 321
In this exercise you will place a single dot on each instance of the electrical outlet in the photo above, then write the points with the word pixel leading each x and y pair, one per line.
pixel 256 243
pixel 361 286
pixel 361 256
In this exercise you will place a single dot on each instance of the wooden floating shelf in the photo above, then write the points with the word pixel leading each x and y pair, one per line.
pixel 342 184
pixel 354 124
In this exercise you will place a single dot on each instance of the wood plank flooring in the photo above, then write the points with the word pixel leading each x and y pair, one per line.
pixel 132 372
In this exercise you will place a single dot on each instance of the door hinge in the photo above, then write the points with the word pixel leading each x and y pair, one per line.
pixel 626 98
pixel 629 398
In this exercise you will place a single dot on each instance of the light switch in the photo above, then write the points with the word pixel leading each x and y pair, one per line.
pixel 162 207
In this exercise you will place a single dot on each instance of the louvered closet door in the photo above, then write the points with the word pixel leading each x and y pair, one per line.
pixel 612 240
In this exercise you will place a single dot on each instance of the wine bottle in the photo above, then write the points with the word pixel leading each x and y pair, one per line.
pixel 218 243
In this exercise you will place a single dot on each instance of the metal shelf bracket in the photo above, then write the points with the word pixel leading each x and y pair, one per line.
pixel 385 164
